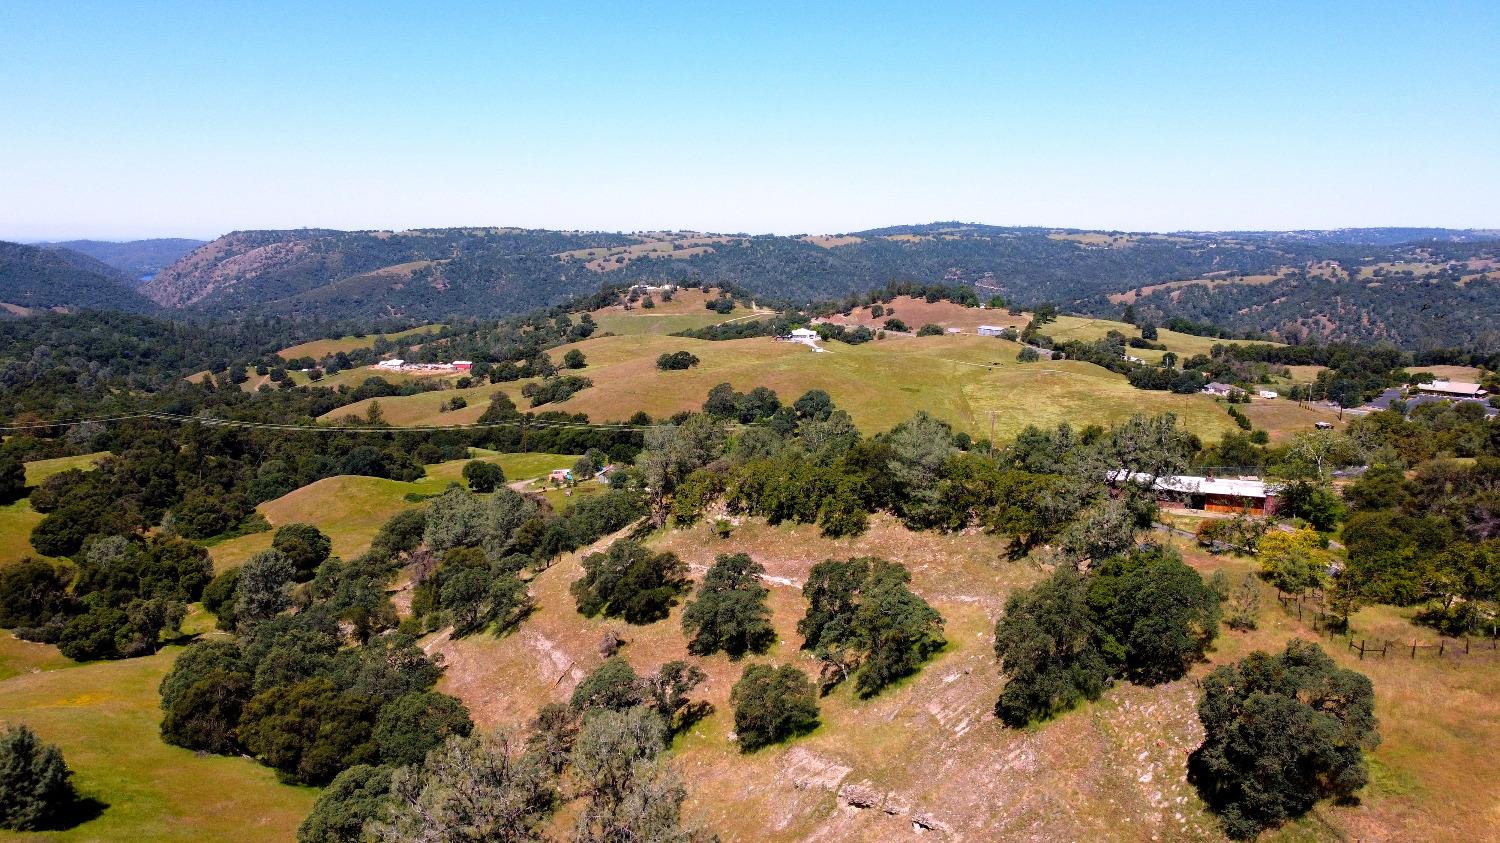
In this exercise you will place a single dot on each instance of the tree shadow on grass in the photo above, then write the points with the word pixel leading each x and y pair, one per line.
pixel 77 812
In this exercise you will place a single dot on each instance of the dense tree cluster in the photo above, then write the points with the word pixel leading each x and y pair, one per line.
pixel 126 591
pixel 1143 616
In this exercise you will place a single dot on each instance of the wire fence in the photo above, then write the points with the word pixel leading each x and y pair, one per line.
pixel 1311 607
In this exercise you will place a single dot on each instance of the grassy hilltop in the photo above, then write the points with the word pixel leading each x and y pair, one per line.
pixel 972 382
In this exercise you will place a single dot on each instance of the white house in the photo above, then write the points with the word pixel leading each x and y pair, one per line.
pixel 1220 389
pixel 803 334
pixel 394 363
pixel 990 330
pixel 1267 394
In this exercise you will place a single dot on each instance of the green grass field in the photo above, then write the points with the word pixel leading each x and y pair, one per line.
pixel 104 717
pixel 351 509
pixel 17 519
pixel 318 349
pixel 960 378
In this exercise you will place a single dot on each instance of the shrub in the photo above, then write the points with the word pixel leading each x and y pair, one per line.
pixel 204 715
pixel 304 546
pixel 613 685
pixel 676 361
pixel 12 479
pixel 1050 650
pixel 574 359
pixel 354 797
pixel 32 592
pixel 309 731
pixel 930 330
pixel 862 619
pixel 1158 613
pixel 894 324
pixel 772 704
pixel 411 725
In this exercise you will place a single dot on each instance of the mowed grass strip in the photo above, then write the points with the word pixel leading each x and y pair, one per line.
pixel 104 716
pixel 318 349
pixel 350 509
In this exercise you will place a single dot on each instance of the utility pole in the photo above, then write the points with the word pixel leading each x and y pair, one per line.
pixel 992 430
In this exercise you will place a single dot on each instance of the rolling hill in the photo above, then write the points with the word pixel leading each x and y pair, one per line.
pixel 35 279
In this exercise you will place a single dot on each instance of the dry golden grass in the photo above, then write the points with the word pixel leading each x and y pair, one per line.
pixel 1130 296
pixel 917 312
pixel 1283 419
pixel 685 312
pixel 1468 374
pixel 1432 775
pixel 832 241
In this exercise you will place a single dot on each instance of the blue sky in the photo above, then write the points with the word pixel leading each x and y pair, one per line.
pixel 122 120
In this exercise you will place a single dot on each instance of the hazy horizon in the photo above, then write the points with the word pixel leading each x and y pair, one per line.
pixel 45 241
pixel 136 120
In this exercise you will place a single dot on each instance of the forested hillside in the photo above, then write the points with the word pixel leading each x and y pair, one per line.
pixel 33 278
pixel 138 258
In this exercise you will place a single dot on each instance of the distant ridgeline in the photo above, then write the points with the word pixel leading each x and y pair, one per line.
pixel 1415 288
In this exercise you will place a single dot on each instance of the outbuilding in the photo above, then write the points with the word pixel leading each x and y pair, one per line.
pixel 1452 389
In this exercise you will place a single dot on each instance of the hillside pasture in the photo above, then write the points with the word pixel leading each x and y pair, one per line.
pixel 962 379
pixel 318 349
pixel 685 312
pixel 1467 374
pixel 1130 296
pixel 1086 329
pixel 916 312
pixel 1439 720
pixel 104 717
pixel 18 519
pixel 1283 418
pixel 351 509
pixel 928 750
